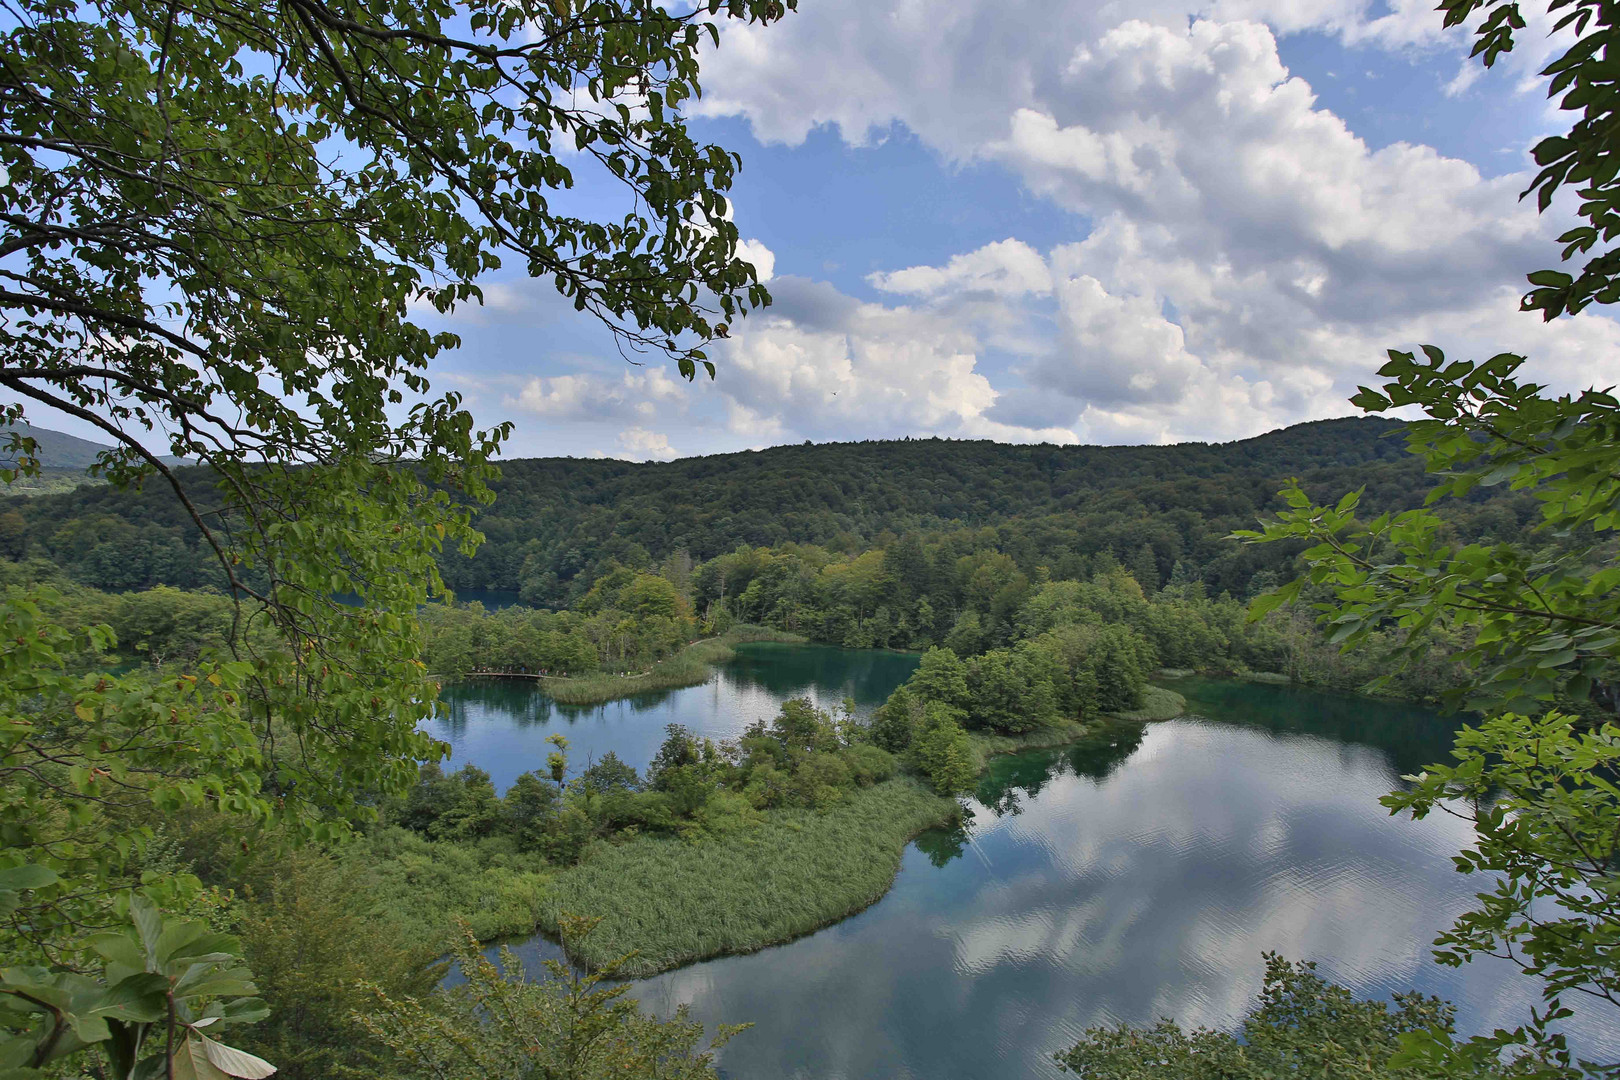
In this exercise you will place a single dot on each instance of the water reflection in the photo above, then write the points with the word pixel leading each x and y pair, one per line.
pixel 1114 883
pixel 501 724
pixel 1140 874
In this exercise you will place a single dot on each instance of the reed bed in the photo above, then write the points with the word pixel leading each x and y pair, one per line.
pixel 988 744
pixel 1274 678
pixel 673 902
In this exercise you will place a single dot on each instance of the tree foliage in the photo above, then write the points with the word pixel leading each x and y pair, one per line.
pixel 1544 620
pixel 1303 1026
pixel 503 1024
pixel 1539 629
pixel 213 224
pixel 216 220
pixel 163 983
pixel 1583 157
pixel 1536 621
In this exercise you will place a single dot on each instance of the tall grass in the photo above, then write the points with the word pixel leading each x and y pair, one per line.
pixel 425 886
pixel 672 902
pixel 689 667
pixel 1275 678
pixel 1157 704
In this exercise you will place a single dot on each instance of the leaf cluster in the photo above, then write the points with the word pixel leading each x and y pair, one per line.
pixel 163 982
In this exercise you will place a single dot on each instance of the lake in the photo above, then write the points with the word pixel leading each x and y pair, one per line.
pixel 1141 875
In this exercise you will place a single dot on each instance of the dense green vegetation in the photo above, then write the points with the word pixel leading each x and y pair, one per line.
pixel 690 666
pixel 558 525
pixel 1302 1026
pixel 794 870
pixel 179 765
pixel 694 787
pixel 219 224
pixel 506 1022
pixel 1540 633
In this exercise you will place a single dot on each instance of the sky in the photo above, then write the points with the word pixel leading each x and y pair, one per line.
pixel 1063 221
pixel 1043 221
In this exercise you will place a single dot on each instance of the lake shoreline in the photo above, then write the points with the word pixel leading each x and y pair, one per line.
pixel 744 908
pixel 692 666
pixel 605 945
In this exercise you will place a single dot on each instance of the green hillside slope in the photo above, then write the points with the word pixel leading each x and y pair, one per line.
pixel 558 521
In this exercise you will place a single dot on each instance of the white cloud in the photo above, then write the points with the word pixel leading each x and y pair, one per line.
pixel 639 444
pixel 823 365
pixel 762 257
pixel 1005 268
pixel 643 392
pixel 1250 257
pixel 953 73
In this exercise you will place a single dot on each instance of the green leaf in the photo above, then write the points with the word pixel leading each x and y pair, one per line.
pixel 234 1062
pixel 141 998
pixel 27 876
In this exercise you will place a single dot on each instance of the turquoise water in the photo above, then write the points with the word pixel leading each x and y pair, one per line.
pixel 501 725
pixel 1140 875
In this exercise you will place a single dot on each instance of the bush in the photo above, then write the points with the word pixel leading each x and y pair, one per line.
pixel 868 764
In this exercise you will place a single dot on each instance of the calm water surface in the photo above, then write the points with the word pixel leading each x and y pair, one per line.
pixel 1138 876
pixel 501 725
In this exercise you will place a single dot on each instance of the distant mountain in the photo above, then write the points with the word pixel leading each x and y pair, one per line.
pixel 57 450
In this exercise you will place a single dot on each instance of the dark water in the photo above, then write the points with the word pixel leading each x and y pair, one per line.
pixel 492 599
pixel 1137 876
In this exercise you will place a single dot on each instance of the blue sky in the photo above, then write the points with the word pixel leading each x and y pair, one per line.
pixel 1033 220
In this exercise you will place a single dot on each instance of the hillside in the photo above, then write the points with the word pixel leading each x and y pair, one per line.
pixel 63 460
pixel 559 516
pixel 558 521
pixel 55 450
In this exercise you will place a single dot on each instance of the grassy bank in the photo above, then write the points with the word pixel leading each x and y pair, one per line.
pixel 1158 703
pixel 689 667
pixel 987 745
pixel 673 902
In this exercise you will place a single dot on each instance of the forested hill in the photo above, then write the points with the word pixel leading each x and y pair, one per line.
pixel 559 516
pixel 558 521
pixel 823 490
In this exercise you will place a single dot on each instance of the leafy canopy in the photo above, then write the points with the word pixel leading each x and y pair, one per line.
pixel 216 221
pixel 1545 619
pixel 1304 1026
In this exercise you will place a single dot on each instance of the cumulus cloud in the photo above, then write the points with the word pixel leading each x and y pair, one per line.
pixel 953 73
pixel 822 364
pixel 639 444
pixel 762 257
pixel 1250 257
pixel 1005 268
pixel 641 393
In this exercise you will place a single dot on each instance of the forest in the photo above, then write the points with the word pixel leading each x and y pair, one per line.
pixel 236 242
pixel 558 525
